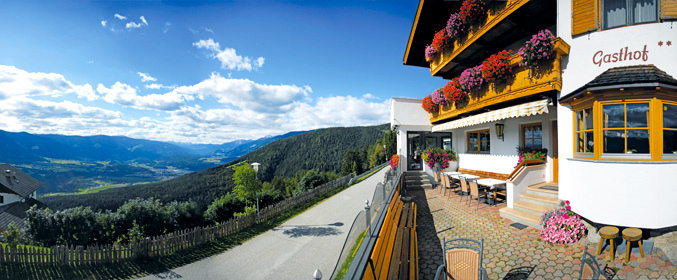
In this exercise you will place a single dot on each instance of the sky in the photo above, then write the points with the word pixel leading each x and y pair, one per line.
pixel 203 72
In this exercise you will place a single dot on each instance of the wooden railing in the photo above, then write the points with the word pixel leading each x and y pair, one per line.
pixel 157 245
pixel 523 164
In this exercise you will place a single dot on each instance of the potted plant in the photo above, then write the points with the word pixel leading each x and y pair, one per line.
pixel 394 161
pixel 472 10
pixel 471 79
pixel 428 105
pixel 436 157
pixel 453 92
pixel 530 153
pixel 455 26
pixel 430 53
pixel 538 49
pixel 440 41
pixel 497 68
pixel 562 226
pixel 438 97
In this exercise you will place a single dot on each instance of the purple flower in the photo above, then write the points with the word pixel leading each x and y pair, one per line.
pixel 455 26
pixel 430 52
pixel 438 97
pixel 471 79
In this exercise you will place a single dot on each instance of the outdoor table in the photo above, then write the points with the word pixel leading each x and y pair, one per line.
pixel 493 184
pixel 450 173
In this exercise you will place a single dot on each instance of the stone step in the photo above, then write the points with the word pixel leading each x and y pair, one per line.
pixel 540 200
pixel 538 190
pixel 530 220
pixel 531 208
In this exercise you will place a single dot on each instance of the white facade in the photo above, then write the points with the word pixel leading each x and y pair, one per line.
pixel 634 194
pixel 10 198
pixel 407 115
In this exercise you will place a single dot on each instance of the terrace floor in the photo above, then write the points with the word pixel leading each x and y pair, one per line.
pixel 506 247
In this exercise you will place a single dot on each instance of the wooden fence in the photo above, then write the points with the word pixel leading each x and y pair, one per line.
pixel 158 245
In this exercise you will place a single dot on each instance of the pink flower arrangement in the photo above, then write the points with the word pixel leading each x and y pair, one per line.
pixel 471 79
pixel 430 53
pixel 455 26
pixel 436 155
pixel 538 49
pixel 438 97
pixel 562 226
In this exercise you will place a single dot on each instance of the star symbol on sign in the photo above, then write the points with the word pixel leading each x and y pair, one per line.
pixel 669 43
pixel 660 43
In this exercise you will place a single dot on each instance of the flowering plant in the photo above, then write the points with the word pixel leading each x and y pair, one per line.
pixel 562 226
pixel 453 92
pixel 430 53
pixel 529 153
pixel 394 161
pixel 455 26
pixel 428 105
pixel 471 79
pixel 440 41
pixel 438 97
pixel 539 48
pixel 437 155
pixel 472 10
pixel 497 67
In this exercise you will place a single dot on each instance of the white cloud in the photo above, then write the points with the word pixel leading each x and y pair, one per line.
pixel 103 23
pixel 159 86
pixel 125 95
pixel 17 82
pixel 91 61
pixel 146 78
pixel 247 94
pixel 132 24
pixel 168 25
pixel 120 17
pixel 228 56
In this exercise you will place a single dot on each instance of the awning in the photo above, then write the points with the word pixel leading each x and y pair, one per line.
pixel 525 109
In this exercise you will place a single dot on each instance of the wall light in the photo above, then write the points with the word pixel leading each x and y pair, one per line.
pixel 499 131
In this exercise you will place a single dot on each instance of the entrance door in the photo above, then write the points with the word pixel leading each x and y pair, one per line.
pixel 414 149
pixel 555 163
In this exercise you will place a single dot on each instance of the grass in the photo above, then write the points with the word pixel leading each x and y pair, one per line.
pixel 159 265
pixel 349 260
pixel 95 189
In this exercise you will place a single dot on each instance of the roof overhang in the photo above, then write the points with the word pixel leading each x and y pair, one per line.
pixel 521 110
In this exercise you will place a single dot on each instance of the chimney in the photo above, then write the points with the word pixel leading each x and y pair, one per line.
pixel 7 172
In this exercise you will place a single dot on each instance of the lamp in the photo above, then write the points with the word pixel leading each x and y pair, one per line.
pixel 499 131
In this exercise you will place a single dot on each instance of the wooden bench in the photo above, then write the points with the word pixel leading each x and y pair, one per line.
pixel 395 255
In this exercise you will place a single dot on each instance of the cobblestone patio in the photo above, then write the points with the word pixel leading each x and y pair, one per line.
pixel 506 247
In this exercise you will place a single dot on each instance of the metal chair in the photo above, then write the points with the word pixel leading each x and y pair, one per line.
pixel 462 260
pixel 590 269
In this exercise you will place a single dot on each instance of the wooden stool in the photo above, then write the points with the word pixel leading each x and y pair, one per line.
pixel 632 234
pixel 609 233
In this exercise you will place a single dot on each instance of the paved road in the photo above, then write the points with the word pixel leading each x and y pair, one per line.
pixel 294 249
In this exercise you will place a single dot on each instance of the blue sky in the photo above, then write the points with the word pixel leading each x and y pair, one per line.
pixel 203 72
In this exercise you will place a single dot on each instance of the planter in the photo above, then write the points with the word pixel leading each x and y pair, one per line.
pixel 453 166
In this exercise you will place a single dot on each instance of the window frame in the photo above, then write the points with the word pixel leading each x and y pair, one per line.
pixel 479 141
pixel 584 131
pixel 629 15
pixel 662 128
pixel 523 138
pixel 655 124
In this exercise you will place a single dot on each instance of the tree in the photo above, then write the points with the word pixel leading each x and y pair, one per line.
pixel 13 235
pixel 246 184
pixel 223 208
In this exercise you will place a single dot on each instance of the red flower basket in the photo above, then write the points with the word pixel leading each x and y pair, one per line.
pixel 472 10
pixel 453 92
pixel 428 105
pixel 497 67
pixel 440 41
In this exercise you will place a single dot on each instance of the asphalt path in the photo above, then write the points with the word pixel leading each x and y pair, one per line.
pixel 293 250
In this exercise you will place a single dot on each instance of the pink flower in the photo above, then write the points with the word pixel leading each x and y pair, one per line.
pixel 568 207
pixel 567 202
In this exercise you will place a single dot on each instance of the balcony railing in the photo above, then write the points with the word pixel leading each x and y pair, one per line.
pixel 524 82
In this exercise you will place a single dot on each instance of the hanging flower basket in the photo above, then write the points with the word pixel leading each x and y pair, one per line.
pixel 453 92
pixel 538 49
pixel 472 10
pixel 455 26
pixel 429 106
pixel 440 41
pixel 497 67
pixel 438 97
pixel 471 79
pixel 430 53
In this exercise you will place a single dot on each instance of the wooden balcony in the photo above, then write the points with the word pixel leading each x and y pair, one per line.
pixel 523 83
pixel 506 23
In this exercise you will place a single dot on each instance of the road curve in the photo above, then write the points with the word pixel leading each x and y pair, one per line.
pixel 293 250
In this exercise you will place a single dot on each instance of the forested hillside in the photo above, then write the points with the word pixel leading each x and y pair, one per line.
pixel 322 150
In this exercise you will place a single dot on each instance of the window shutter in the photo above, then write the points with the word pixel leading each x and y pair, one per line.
pixel 584 16
pixel 669 9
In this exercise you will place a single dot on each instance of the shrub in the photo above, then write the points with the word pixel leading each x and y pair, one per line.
pixel 497 67
pixel 538 49
pixel 224 208
pixel 471 79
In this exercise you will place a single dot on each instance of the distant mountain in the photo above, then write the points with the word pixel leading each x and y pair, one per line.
pixel 209 149
pixel 322 149
pixel 230 153
pixel 24 147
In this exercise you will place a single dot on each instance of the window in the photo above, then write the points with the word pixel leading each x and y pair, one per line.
pixel 431 142
pixel 625 128
pixel 478 141
pixel 616 13
pixel 2 199
pixel 532 136
pixel 670 129
pixel 585 140
pixel 446 142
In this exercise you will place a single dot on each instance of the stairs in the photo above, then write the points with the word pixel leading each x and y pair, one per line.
pixel 418 179
pixel 529 208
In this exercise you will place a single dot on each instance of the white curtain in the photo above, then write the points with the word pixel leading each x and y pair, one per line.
pixel 645 11
pixel 615 13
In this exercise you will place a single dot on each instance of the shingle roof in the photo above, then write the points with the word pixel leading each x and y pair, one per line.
pixel 17 181
pixel 16 212
pixel 637 75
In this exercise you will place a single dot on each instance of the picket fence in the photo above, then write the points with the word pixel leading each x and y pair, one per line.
pixel 158 245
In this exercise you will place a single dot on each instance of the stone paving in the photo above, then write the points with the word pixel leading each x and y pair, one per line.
pixel 507 248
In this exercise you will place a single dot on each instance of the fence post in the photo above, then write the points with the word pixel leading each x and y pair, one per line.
pixel 366 209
